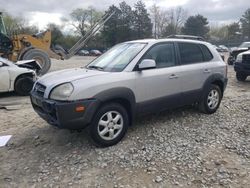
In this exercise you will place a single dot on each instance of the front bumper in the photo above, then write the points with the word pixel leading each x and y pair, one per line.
pixel 242 68
pixel 64 114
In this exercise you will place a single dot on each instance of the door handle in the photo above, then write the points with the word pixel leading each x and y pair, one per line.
pixel 207 71
pixel 173 76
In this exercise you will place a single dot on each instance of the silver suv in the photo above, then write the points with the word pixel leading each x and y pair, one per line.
pixel 132 78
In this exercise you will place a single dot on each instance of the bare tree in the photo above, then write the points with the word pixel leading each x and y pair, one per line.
pixel 159 20
pixel 167 21
pixel 175 19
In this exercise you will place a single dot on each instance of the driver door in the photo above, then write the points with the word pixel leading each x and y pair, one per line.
pixel 4 78
pixel 159 88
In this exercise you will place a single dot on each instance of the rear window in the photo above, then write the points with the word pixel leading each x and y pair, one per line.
pixel 206 53
pixel 190 53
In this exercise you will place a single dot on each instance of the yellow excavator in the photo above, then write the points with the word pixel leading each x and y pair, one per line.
pixel 38 46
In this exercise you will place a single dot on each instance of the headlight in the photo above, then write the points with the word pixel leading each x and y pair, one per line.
pixel 239 58
pixel 62 91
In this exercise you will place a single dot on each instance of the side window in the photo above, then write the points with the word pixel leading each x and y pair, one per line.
pixel 163 54
pixel 206 53
pixel 190 53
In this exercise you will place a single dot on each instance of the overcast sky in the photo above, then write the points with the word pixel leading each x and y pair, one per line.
pixel 44 11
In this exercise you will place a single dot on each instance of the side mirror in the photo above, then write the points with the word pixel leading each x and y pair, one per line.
pixel 147 64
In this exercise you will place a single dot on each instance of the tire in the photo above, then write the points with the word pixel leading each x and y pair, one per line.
pixel 230 60
pixel 23 85
pixel 104 123
pixel 41 57
pixel 211 100
pixel 241 77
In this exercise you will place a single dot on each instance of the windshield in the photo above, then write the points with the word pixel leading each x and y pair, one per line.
pixel 245 45
pixel 117 58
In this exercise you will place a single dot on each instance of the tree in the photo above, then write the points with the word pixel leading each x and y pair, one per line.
pixel 119 27
pixel 233 30
pixel 218 33
pixel 83 19
pixel 17 25
pixel 175 19
pixel 56 34
pixel 142 22
pixel 125 22
pixel 167 22
pixel 109 32
pixel 245 23
pixel 196 25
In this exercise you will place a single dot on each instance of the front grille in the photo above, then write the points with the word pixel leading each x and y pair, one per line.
pixel 246 58
pixel 39 89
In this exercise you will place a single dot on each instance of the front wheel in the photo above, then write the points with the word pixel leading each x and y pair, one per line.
pixel 109 125
pixel 241 77
pixel 23 85
pixel 211 100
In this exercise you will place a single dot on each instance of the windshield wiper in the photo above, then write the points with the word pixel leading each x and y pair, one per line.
pixel 95 67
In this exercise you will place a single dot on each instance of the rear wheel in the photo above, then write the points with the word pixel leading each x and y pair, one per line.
pixel 241 76
pixel 41 57
pixel 211 100
pixel 23 85
pixel 109 125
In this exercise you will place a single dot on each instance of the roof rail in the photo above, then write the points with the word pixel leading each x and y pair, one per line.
pixel 191 37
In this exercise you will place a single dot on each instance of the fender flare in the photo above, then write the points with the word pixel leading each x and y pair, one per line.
pixel 213 78
pixel 116 94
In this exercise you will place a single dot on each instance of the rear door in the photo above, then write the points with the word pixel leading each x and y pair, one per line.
pixel 158 88
pixel 196 67
pixel 4 79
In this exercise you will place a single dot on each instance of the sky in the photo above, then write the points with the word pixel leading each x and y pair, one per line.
pixel 42 12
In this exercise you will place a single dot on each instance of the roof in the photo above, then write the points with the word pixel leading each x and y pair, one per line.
pixel 153 41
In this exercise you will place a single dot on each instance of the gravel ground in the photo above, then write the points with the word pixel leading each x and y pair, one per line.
pixel 178 148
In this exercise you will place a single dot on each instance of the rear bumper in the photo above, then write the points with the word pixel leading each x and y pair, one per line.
pixel 242 68
pixel 63 114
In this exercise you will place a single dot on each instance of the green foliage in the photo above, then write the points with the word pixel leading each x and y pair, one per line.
pixel 17 25
pixel 83 19
pixel 142 22
pixel 196 25
pixel 233 30
pixel 127 24
pixel 245 22
pixel 56 33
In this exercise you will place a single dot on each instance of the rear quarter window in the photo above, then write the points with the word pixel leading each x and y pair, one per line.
pixel 190 53
pixel 207 55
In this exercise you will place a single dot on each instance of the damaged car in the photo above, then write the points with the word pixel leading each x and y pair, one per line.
pixel 16 77
pixel 245 46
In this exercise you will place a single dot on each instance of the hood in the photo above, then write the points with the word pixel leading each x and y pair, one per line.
pixel 68 75
pixel 246 52
pixel 240 49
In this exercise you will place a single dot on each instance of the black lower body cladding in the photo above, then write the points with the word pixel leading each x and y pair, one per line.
pixel 64 114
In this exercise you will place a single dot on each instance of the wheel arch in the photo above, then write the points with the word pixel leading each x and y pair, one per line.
pixel 28 74
pixel 216 79
pixel 123 96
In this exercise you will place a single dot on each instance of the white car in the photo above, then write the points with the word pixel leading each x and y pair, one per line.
pixel 15 78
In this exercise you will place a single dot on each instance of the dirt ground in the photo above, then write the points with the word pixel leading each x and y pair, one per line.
pixel 180 148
